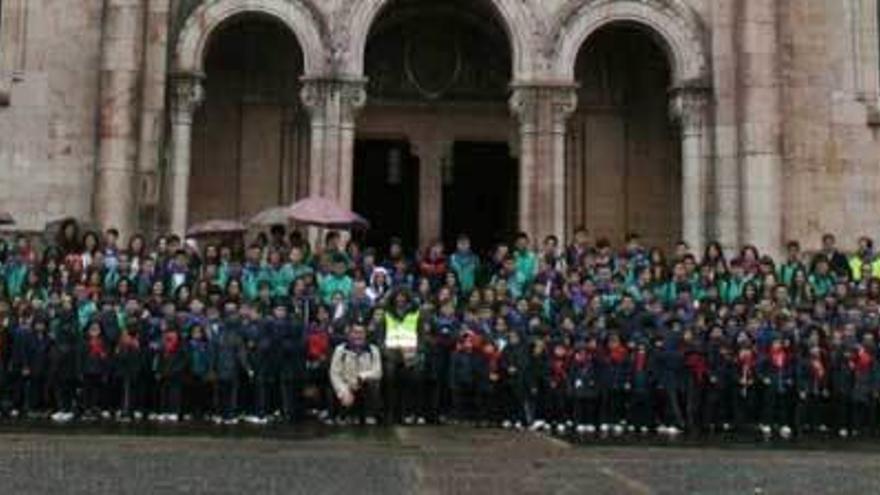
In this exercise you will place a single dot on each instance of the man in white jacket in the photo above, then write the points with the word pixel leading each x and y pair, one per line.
pixel 355 374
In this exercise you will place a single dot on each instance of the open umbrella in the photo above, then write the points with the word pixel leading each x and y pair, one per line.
pixel 6 218
pixel 323 212
pixel 272 216
pixel 213 227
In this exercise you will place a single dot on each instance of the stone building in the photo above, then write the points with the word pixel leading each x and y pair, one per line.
pixel 746 121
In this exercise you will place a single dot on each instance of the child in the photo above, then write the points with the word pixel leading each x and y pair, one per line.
pixel 641 380
pixel 583 385
pixel 129 369
pixel 200 376
pixel 318 347
pixel 864 389
pixel 813 393
pixel 615 385
pixel 37 366
pixel 64 360
pixel 776 370
pixel 229 361
pixel 557 386
pixel 96 371
pixel 170 365
pixel 514 366
pixel 292 369
pixel 745 380
pixel 464 371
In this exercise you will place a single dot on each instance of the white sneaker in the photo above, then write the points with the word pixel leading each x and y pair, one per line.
pixel 765 430
pixel 644 430
pixel 518 425
pixel 13 413
pixel 507 424
pixel 843 433
pixel 631 428
pixel 322 414
pixel 785 432
pixel 408 420
pixel 57 416
pixel 673 431
pixel 725 426
pixel 590 428
pixel 172 418
pixel 581 429
pixel 420 421
pixel 251 420
pixel 560 429
pixel 105 415
pixel 138 415
pixel 823 429
pixel 230 421
pixel 618 430
pixel 604 428
pixel 370 421
pixel 537 425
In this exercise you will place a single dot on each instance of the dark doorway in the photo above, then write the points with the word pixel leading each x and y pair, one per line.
pixel 386 191
pixel 480 197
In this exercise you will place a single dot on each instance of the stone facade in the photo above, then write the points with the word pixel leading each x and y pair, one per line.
pixel 767 124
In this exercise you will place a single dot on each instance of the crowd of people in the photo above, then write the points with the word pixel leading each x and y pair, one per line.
pixel 577 339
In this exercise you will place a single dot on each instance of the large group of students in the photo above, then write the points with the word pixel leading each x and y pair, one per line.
pixel 577 339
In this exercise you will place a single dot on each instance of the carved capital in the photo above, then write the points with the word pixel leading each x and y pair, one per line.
pixel 550 103
pixel 689 106
pixel 187 94
pixel 320 96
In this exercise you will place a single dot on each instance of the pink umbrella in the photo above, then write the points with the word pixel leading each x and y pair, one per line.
pixel 323 212
pixel 212 227
pixel 272 216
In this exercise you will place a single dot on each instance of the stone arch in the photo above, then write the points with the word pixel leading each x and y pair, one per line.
pixel 678 27
pixel 298 15
pixel 522 23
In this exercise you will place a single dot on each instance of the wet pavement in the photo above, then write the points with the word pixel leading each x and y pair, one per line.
pixel 187 459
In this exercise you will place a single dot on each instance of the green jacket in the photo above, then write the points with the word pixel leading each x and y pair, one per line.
pixel 331 284
pixel 526 264
pixel 465 266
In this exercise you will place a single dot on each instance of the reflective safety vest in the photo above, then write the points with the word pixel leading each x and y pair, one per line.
pixel 401 334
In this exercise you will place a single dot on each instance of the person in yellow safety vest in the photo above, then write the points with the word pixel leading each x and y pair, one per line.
pixel 864 264
pixel 400 376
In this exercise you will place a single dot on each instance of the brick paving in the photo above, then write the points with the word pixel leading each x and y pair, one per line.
pixel 412 461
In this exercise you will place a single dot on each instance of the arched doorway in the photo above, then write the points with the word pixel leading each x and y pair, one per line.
pixel 439 75
pixel 624 170
pixel 250 139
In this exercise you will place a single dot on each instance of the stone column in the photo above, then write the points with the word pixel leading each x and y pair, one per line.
pixel 431 152
pixel 152 118
pixel 121 53
pixel 542 109
pixel 689 106
pixel 760 128
pixel 333 105
pixel 186 96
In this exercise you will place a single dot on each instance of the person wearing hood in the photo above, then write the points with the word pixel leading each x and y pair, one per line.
pixel 465 264
pixel 356 374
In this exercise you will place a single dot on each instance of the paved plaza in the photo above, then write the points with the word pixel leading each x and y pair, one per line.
pixel 407 461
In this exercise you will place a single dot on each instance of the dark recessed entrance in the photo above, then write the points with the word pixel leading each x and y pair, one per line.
pixel 386 191
pixel 480 196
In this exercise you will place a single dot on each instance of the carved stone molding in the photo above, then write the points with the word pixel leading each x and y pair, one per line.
pixel 187 94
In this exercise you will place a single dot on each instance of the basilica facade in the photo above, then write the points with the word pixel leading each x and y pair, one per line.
pixel 742 121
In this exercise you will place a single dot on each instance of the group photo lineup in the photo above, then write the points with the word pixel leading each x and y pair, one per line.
pixel 440 246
